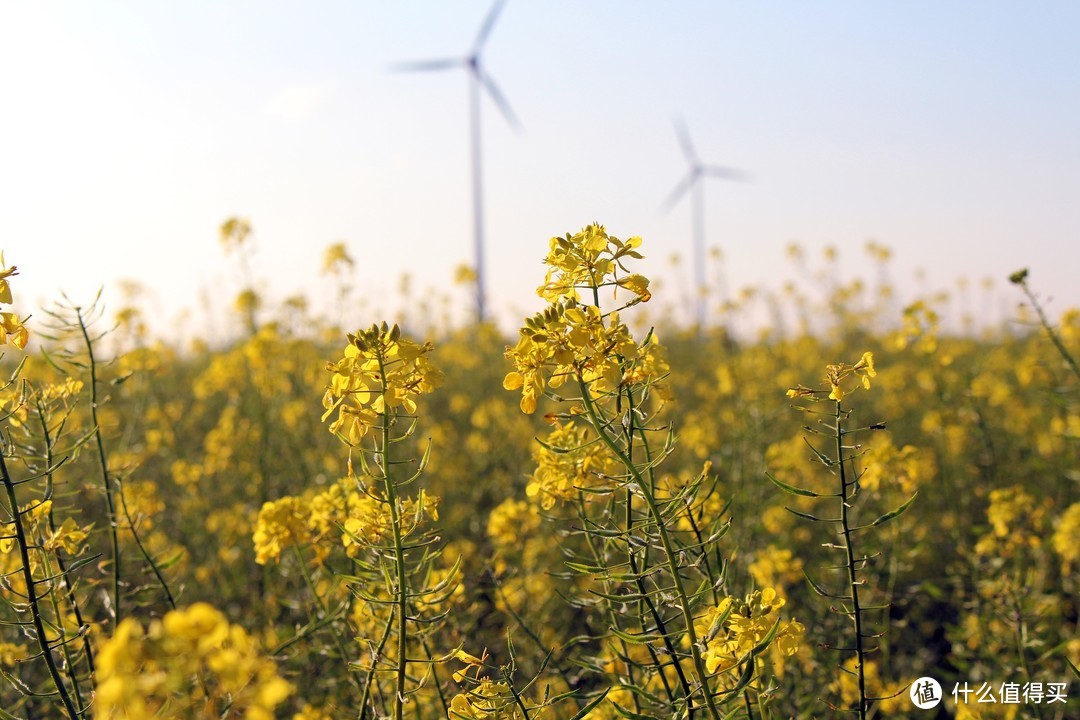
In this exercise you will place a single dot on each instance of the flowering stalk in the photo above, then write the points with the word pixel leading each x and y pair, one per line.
pixel 1020 278
pixel 617 389
pixel 32 599
pixel 48 442
pixel 374 385
pixel 842 465
pixel 383 457
pixel 76 320
pixel 671 557
pixel 14 332
pixel 106 482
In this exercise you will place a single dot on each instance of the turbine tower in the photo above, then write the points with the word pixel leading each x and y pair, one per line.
pixel 479 81
pixel 693 181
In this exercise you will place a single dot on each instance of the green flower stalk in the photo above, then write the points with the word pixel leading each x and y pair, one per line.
pixel 840 462
pixel 373 392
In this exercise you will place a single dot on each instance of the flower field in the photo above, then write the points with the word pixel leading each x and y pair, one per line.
pixel 606 514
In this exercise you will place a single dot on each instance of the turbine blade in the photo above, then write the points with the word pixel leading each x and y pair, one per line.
pixel 426 65
pixel 719 171
pixel 489 23
pixel 678 192
pixel 684 141
pixel 498 98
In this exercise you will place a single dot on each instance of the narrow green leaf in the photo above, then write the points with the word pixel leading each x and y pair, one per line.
pixel 583 568
pixel 583 712
pixel 621 598
pixel 644 638
pixel 732 714
pixel 169 562
pixel 825 459
pixel 818 589
pixel 807 516
pixel 895 513
pixel 791 488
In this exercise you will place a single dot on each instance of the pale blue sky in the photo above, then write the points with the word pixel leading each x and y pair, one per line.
pixel 129 131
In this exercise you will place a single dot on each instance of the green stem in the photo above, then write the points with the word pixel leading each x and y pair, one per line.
pixel 69 661
pixel 399 556
pixel 143 551
pixel 324 610
pixel 111 508
pixel 638 574
pixel 746 701
pixel 88 648
pixel 31 592
pixel 1020 633
pixel 669 551
pixel 370 681
pixel 1050 330
pixel 846 500
pixel 613 617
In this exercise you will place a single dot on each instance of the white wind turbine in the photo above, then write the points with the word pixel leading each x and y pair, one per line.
pixel 479 80
pixel 693 181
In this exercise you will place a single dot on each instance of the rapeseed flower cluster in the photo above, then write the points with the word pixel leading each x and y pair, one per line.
pixel 484 698
pixel 578 342
pixel 732 631
pixel 378 371
pixel 281 524
pixel 342 511
pixel 836 375
pixel 570 462
pixel 905 468
pixel 489 700
pixel 190 663
pixel 1017 523
pixel 34 517
pixel 589 260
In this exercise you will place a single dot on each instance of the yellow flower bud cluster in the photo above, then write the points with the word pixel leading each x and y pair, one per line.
pixel 380 372
pixel 281 523
pixel 590 260
pixel 576 341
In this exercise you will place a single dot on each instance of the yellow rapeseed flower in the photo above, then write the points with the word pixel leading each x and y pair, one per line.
pixel 380 372
pixel 732 629
pixel 281 523
pixel 190 663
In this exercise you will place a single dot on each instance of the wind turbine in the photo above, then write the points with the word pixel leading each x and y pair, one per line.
pixel 479 80
pixel 693 181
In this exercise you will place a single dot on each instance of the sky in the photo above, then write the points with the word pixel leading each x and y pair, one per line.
pixel 129 131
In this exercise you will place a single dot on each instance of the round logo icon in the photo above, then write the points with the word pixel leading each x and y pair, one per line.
pixel 925 693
